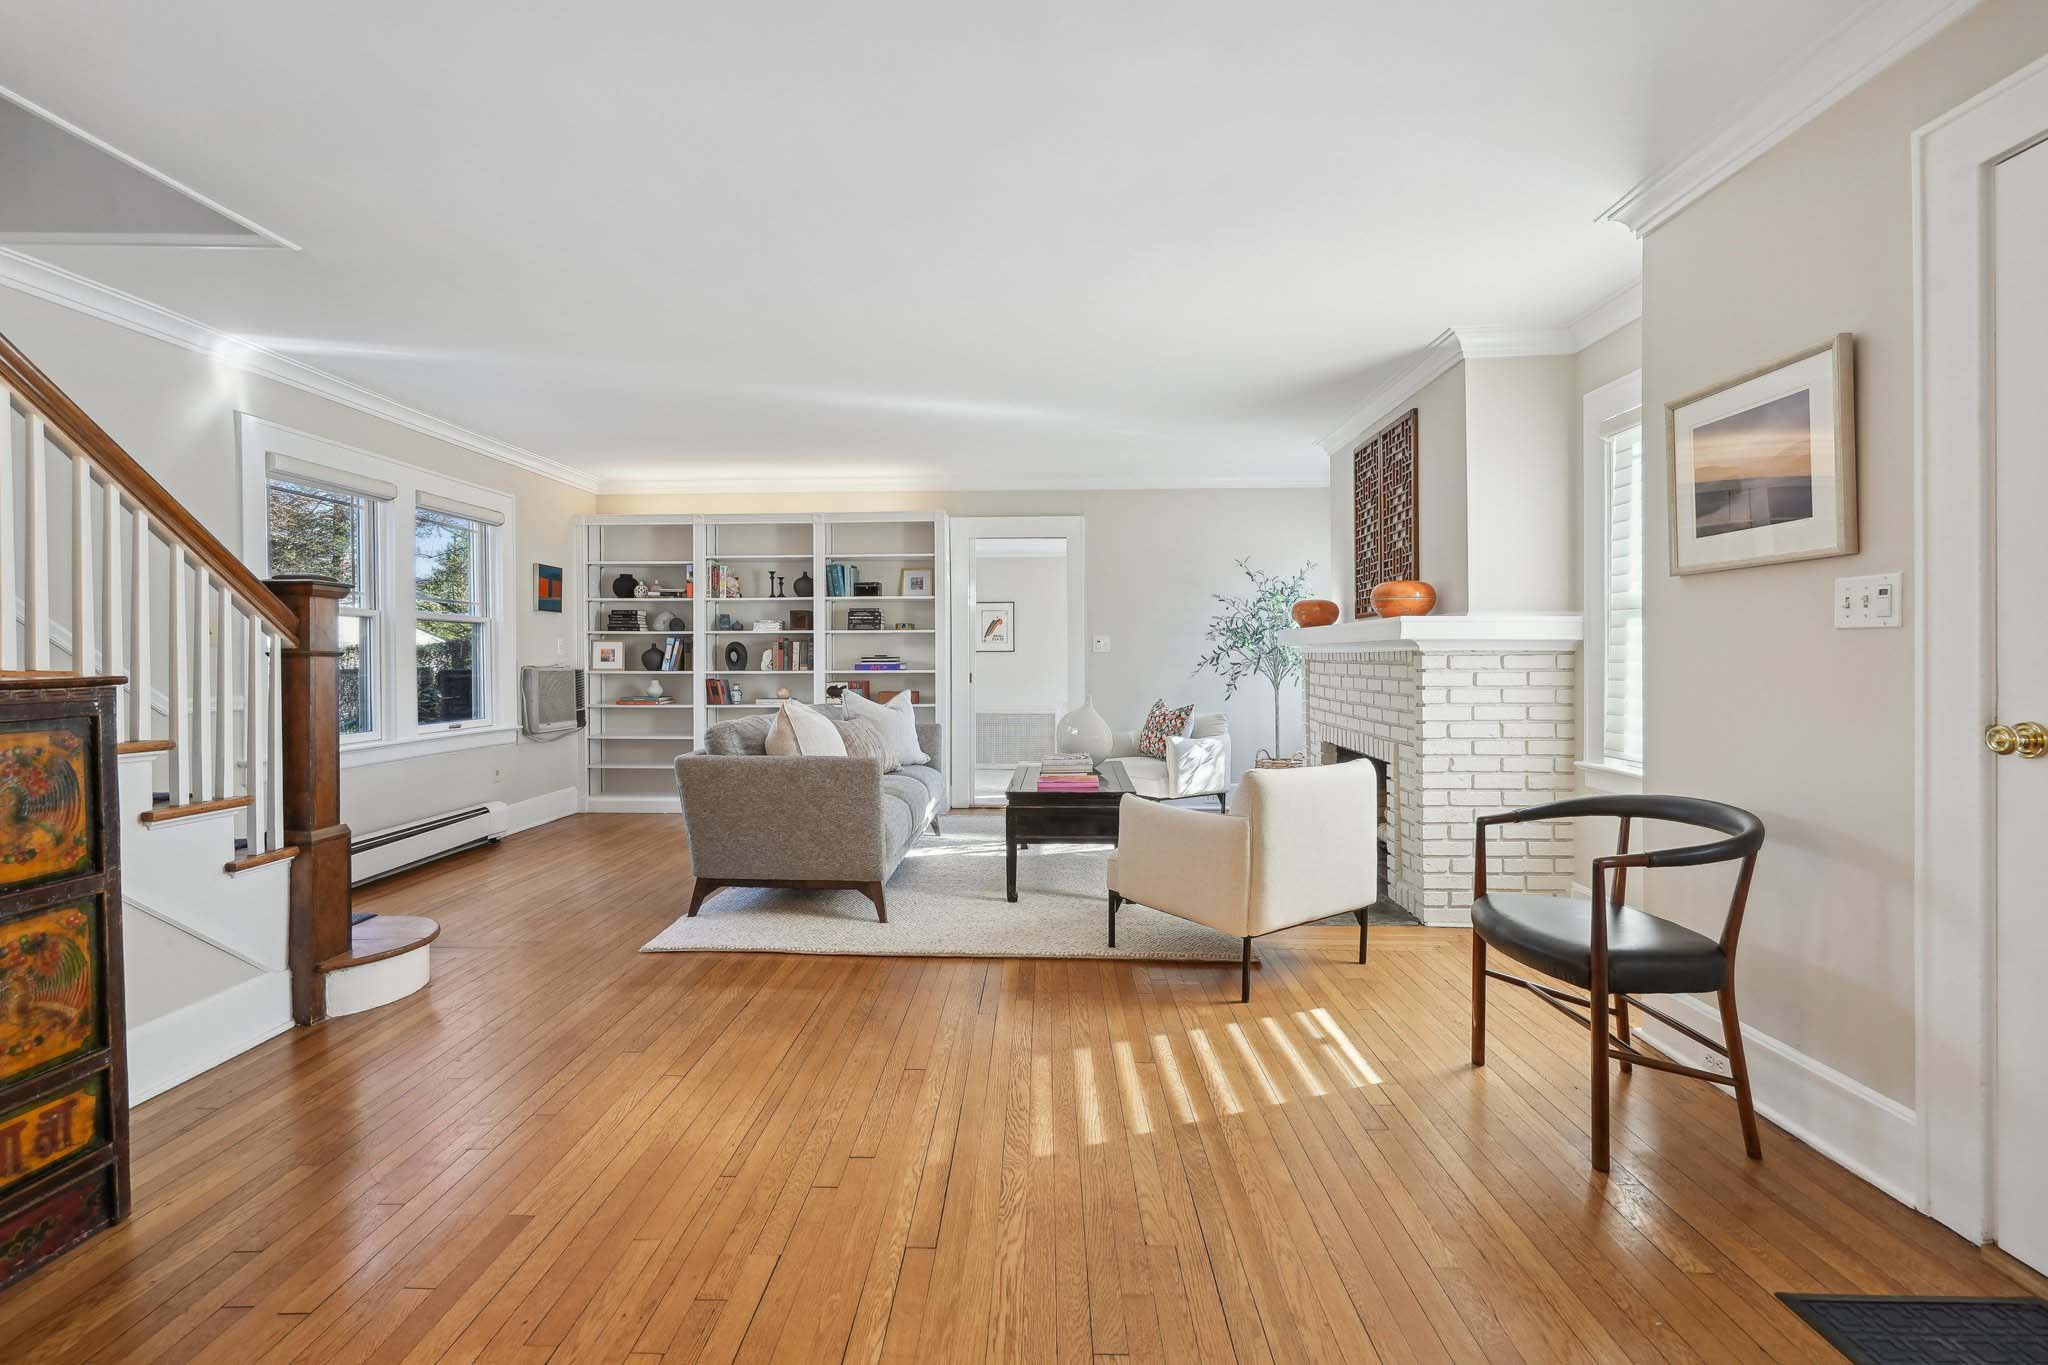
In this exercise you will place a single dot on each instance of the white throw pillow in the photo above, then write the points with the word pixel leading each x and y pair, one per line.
pixel 800 731
pixel 897 721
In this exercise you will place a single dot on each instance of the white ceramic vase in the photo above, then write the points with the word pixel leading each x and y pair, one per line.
pixel 1083 731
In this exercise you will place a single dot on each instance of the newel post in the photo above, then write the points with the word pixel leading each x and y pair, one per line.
pixel 310 718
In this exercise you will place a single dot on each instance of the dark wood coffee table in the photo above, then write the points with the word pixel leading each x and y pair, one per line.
pixel 1036 817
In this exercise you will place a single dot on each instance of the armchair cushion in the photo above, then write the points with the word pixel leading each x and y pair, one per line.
pixel 1554 935
pixel 1187 863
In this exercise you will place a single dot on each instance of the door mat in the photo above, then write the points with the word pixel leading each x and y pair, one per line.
pixel 1905 1329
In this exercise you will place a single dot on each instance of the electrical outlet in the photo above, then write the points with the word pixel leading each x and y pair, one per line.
pixel 1867 603
pixel 1716 1062
pixel 1102 644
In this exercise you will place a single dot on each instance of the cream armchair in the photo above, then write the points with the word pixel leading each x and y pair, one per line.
pixel 1301 847
pixel 1196 764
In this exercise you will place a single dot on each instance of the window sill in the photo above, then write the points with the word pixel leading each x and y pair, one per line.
pixel 368 752
pixel 1609 777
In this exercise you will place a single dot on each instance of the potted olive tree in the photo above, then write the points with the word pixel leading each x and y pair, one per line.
pixel 1244 634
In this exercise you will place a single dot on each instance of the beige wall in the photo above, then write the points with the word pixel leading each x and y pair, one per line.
pixel 1518 484
pixel 1035 672
pixel 1154 561
pixel 174 410
pixel 1440 425
pixel 1752 696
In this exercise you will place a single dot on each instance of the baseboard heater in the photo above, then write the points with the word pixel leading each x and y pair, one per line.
pixel 383 852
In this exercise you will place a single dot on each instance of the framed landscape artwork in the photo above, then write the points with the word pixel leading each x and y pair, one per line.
pixel 997 632
pixel 1763 466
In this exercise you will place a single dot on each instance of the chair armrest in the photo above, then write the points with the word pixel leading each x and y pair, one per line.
pixel 757 816
pixel 1187 863
pixel 1198 767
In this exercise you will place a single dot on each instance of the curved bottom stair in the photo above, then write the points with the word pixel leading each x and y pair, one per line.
pixel 389 958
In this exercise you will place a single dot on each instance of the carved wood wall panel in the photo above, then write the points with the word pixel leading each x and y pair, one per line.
pixel 1386 478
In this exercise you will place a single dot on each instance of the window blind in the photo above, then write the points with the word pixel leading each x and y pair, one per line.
pixel 1621 740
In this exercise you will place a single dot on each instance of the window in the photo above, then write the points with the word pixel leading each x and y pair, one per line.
pixel 426 641
pixel 1612 750
pixel 315 529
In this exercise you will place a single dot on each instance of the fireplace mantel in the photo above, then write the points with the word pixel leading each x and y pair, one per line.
pixel 1491 629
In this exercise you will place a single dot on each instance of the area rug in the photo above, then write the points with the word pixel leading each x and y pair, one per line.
pixel 1909 1329
pixel 947 901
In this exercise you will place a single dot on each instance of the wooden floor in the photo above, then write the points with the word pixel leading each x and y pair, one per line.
pixel 566 1151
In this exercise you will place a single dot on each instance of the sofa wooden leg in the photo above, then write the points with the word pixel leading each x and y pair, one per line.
pixel 935 824
pixel 699 893
pixel 1244 989
pixel 873 891
pixel 1114 901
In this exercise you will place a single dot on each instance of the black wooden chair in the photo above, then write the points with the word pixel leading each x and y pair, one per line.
pixel 1613 952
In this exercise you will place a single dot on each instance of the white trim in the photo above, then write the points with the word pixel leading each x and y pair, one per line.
pixel 1864 45
pixel 1605 319
pixel 947 483
pixel 1844 1120
pixel 1489 342
pixel 175 1047
pixel 601 804
pixel 1609 777
pixel 352 990
pixel 1449 348
pixel 368 753
pixel 42 280
pixel 1598 407
pixel 961 533
pixel 1441 632
pixel 544 809
pixel 1955 679
pixel 268 238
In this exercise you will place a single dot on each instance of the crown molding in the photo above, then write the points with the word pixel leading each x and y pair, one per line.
pixel 1605 319
pixel 1430 364
pixel 1863 46
pixel 1505 343
pixel 1007 483
pixel 56 285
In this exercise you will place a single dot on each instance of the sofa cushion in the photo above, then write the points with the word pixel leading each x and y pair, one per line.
pixel 1164 723
pixel 897 721
pixel 799 732
pixel 862 740
pixel 1147 776
pixel 934 782
pixel 745 736
pixel 912 793
pixel 899 826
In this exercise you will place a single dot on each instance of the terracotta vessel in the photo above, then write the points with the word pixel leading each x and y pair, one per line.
pixel 1315 611
pixel 1403 597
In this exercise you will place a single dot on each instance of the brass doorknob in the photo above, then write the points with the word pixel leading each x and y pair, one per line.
pixel 2027 739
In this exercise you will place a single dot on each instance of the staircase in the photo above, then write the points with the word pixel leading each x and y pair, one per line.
pixel 235 860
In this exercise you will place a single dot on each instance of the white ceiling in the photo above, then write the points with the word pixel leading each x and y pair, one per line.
pixel 904 242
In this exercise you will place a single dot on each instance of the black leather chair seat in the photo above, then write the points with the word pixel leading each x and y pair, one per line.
pixel 1554 935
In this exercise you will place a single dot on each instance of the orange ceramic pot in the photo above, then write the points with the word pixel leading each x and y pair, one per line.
pixel 1315 611
pixel 1403 597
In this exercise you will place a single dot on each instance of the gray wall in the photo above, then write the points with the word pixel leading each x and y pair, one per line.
pixel 1154 560
pixel 1752 696
pixel 174 410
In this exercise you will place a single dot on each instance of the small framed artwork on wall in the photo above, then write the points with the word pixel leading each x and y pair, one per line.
pixel 916 583
pixel 547 588
pixel 997 629
pixel 607 656
pixel 1763 466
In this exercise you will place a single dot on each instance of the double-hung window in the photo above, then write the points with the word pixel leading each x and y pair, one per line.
pixel 1614 583
pixel 427 654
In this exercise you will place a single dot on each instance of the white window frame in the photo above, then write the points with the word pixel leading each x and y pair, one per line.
pixel 1602 406
pixel 487 650
pixel 394 703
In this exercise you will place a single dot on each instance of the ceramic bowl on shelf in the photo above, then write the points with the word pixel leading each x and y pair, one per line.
pixel 1403 597
pixel 1315 611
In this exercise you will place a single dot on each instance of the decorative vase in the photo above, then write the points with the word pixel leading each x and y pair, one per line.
pixel 1315 611
pixel 624 585
pixel 1403 597
pixel 802 586
pixel 736 656
pixel 650 658
pixel 1084 731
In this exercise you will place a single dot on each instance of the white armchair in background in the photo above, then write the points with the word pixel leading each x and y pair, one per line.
pixel 1197 763
pixel 1301 847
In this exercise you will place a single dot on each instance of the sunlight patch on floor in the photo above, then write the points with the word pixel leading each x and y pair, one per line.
pixel 1337 1043
pixel 1309 1080
pixel 1085 1098
pixel 1176 1084
pixel 1136 1110
pixel 1255 1064
pixel 1212 1071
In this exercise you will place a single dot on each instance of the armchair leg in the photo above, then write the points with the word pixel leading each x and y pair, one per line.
pixel 1621 1026
pixel 1244 996
pixel 1478 1001
pixel 1360 913
pixel 1223 802
pixel 1114 902
pixel 1598 995
pixel 1738 1071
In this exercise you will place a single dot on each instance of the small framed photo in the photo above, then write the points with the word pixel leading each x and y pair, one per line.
pixel 862 686
pixel 996 629
pixel 547 588
pixel 607 656
pixel 916 583
pixel 714 691
pixel 1763 466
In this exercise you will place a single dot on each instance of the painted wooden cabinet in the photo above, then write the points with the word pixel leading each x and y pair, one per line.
pixel 63 1059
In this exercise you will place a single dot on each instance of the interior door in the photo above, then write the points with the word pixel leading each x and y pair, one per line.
pixel 2020 1101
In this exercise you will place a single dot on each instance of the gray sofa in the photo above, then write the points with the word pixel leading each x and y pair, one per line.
pixel 757 820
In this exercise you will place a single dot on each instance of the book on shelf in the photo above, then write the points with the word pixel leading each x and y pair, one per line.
pixel 645 701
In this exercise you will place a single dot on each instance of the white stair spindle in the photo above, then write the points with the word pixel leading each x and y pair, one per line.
pixel 36 545
pixel 141 710
pixel 10 645
pixel 255 732
pixel 274 691
pixel 224 686
pixel 180 682
pixel 84 658
pixel 113 638
pixel 202 692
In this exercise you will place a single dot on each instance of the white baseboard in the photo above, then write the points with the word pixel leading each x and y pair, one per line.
pixel 173 1049
pixel 540 810
pixel 1838 1116
pixel 648 805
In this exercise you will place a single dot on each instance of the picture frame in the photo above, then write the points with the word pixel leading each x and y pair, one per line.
pixel 861 685
pixel 995 628
pixel 607 656
pixel 915 583
pixel 1762 467
pixel 547 588
pixel 714 691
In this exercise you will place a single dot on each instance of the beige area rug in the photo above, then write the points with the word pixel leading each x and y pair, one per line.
pixel 946 900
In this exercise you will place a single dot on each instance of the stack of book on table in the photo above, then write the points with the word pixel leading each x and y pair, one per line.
pixel 1067 773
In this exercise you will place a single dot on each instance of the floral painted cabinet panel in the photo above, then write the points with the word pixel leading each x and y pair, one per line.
pixel 63 1061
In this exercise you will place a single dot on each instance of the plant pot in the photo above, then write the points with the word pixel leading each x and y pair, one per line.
pixel 1403 597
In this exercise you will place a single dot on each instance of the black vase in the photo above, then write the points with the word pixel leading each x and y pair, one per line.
pixel 650 658
pixel 736 655
pixel 802 586
pixel 624 585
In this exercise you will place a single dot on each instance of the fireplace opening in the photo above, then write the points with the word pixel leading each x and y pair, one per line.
pixel 1382 822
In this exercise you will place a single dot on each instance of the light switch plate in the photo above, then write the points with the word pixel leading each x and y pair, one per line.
pixel 1102 644
pixel 1871 602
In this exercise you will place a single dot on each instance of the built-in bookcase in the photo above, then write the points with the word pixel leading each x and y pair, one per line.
pixel 766 641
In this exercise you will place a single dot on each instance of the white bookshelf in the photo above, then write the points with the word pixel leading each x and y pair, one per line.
pixel 630 750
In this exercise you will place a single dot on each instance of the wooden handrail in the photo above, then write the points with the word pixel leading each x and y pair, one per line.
pixel 87 438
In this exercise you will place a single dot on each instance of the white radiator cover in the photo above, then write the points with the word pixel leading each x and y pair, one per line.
pixel 1004 735
pixel 383 851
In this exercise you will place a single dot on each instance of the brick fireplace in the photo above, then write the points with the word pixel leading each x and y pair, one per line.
pixel 1465 715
